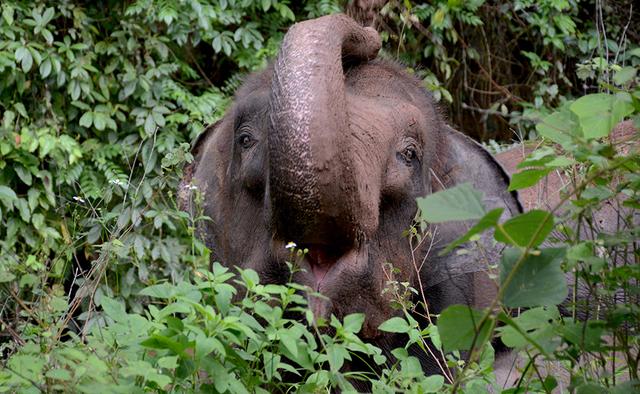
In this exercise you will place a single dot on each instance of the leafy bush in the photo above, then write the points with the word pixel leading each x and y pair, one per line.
pixel 591 233
pixel 105 287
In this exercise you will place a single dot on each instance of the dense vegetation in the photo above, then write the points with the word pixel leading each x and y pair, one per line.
pixel 104 287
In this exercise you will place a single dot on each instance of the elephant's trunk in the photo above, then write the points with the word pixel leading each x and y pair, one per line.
pixel 313 184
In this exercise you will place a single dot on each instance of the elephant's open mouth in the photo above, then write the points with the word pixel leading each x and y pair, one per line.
pixel 321 260
pixel 325 263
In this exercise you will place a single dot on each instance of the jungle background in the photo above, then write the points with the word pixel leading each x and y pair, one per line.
pixel 103 284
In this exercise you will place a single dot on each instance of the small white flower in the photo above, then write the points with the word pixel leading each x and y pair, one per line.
pixel 79 199
pixel 192 187
pixel 291 245
pixel 117 182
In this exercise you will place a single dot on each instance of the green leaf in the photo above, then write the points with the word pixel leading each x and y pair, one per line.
pixel 7 14
pixel 624 75
pixel 533 327
pixel 486 222
pixel 21 110
pixel 149 124
pixel 113 309
pixel 87 119
pixel 599 113
pixel 24 175
pixel 45 68
pixel 46 143
pixel 162 290
pixel 7 196
pixel 559 127
pixel 99 120
pixel 169 362
pixel 395 324
pixel 538 281
pixel 585 334
pixel 461 202
pixel 58 374
pixel 353 322
pixel 527 178
pixel 26 62
pixel 432 384
pixel 458 325
pixel 528 229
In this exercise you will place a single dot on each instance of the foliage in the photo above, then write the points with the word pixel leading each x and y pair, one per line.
pixel 105 287
pixel 500 66
pixel 594 341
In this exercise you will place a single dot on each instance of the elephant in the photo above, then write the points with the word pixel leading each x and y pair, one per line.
pixel 329 147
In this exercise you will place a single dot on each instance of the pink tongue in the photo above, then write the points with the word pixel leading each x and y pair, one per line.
pixel 320 264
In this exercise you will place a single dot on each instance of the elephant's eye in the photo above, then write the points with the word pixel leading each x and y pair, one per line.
pixel 408 155
pixel 246 140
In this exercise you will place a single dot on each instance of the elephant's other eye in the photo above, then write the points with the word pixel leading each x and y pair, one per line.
pixel 408 155
pixel 246 140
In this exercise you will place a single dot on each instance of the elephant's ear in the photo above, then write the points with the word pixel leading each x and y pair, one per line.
pixel 461 276
pixel 460 159
pixel 186 187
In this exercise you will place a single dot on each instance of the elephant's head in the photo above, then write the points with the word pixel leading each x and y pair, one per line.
pixel 329 148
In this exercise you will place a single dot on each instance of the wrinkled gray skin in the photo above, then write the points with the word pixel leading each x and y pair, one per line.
pixel 329 148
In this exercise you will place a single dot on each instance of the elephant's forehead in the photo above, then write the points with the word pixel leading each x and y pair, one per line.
pixel 387 115
pixel 385 79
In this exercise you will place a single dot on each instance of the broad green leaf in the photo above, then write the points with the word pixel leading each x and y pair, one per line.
pixel 162 290
pixel 353 322
pixel 559 127
pixel 528 229
pixel 527 178
pixel 461 202
pixel 532 327
pixel 458 325
pixel 87 119
pixel 26 62
pixel 395 324
pixel 586 334
pixel 432 384
pixel 45 68
pixel 114 309
pixel 599 113
pixel 624 75
pixel 538 281
pixel 169 362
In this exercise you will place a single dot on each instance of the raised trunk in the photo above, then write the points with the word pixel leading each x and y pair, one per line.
pixel 312 183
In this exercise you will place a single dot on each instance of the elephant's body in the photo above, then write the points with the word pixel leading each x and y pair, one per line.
pixel 330 148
